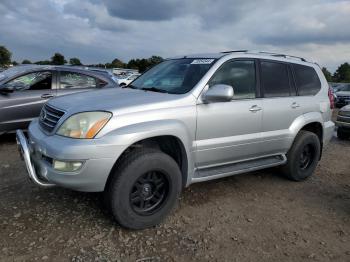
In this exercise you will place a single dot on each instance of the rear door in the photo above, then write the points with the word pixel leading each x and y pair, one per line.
pixel 30 92
pixel 72 82
pixel 281 105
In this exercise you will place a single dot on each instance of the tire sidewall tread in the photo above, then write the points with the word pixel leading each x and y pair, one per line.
pixel 291 170
pixel 134 164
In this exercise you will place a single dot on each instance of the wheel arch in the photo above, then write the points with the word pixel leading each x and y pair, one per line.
pixel 171 137
pixel 312 122
pixel 169 144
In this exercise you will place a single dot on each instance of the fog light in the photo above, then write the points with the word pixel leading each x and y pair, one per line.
pixel 67 166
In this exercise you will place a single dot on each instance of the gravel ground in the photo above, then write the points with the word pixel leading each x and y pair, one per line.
pixel 256 216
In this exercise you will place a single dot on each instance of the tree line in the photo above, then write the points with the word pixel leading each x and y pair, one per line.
pixel 342 74
pixel 58 59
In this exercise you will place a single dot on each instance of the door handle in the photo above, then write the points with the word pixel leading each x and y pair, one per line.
pixel 255 108
pixel 46 96
pixel 295 105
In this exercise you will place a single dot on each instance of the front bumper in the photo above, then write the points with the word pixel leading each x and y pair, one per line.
pixel 343 121
pixel 98 155
pixel 24 151
pixel 343 124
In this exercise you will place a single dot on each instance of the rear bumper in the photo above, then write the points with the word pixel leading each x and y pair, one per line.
pixel 328 130
pixel 98 156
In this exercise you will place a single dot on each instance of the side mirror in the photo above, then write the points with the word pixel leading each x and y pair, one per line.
pixel 5 90
pixel 218 93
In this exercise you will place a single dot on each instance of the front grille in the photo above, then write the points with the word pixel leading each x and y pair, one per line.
pixel 49 117
pixel 345 119
pixel 344 113
pixel 344 97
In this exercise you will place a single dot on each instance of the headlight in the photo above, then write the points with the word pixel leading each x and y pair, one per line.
pixel 84 125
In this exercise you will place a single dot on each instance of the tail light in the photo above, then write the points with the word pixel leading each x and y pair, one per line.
pixel 331 98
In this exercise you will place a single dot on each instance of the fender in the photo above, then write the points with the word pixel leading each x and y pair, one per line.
pixel 130 134
pixel 303 120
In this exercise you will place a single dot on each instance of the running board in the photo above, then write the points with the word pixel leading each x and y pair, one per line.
pixel 238 168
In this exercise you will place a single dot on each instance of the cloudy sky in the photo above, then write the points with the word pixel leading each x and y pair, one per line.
pixel 101 30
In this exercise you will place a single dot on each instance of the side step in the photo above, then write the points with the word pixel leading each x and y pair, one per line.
pixel 238 168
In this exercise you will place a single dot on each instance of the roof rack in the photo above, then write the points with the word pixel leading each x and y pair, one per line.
pixel 234 51
pixel 283 55
pixel 265 53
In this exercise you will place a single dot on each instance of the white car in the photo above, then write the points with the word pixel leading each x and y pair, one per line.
pixel 127 80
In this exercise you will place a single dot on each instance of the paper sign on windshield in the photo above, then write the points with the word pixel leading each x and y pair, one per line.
pixel 202 61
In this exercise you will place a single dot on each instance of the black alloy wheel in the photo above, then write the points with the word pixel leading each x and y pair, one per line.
pixel 307 156
pixel 149 192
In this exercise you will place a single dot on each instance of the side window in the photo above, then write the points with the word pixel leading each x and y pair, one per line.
pixel 32 81
pixel 76 80
pixel 238 74
pixel 307 80
pixel 274 79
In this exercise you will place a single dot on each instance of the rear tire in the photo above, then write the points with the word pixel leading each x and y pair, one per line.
pixel 144 188
pixel 303 156
pixel 341 134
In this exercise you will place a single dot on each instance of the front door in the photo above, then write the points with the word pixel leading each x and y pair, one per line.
pixel 29 93
pixel 230 131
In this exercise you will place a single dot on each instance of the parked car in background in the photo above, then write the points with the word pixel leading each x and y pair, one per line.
pixel 25 89
pixel 123 72
pixel 343 95
pixel 108 72
pixel 127 80
pixel 343 122
pixel 337 86
pixel 188 119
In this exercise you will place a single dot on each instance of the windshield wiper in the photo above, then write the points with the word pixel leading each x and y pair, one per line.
pixel 129 86
pixel 154 89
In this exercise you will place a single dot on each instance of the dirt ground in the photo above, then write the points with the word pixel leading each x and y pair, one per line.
pixel 258 216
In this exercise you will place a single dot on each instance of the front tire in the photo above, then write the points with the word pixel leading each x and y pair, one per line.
pixel 144 188
pixel 303 156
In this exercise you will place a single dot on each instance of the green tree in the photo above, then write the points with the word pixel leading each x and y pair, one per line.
pixel 327 74
pixel 5 56
pixel 26 62
pixel 58 59
pixel 154 60
pixel 144 64
pixel 117 63
pixel 43 62
pixel 75 61
pixel 342 74
pixel 14 63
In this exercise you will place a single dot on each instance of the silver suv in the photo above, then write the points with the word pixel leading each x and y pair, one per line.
pixel 189 119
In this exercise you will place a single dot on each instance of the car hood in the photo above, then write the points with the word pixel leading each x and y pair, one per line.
pixel 118 100
pixel 343 93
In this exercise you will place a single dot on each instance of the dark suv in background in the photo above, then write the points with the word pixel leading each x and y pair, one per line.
pixel 25 89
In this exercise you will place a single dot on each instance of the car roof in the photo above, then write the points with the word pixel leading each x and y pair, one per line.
pixel 21 69
pixel 249 53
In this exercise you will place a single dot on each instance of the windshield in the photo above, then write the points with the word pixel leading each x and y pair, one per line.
pixel 177 76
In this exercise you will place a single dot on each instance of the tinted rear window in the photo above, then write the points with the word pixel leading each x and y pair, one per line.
pixel 274 79
pixel 307 80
